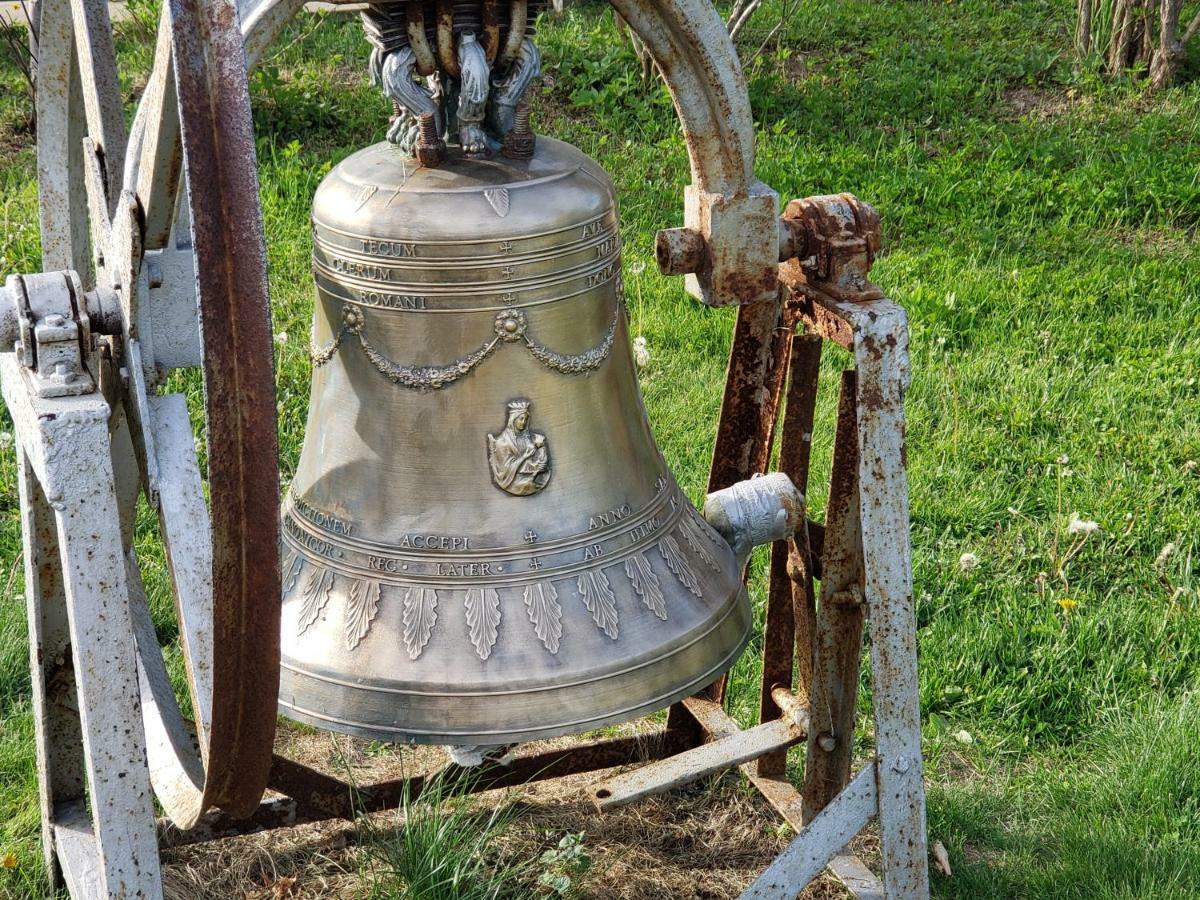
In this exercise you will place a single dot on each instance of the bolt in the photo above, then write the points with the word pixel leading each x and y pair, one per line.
pixel 55 321
pixel 430 148
pixel 827 742
pixel 520 142
pixel 901 765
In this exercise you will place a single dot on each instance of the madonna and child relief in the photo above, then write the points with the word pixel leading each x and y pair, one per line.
pixel 519 457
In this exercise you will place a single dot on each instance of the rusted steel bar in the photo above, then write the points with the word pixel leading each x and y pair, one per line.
pixel 839 619
pixel 447 55
pixel 753 383
pixel 518 20
pixel 418 40
pixel 239 380
pixel 314 796
pixel 757 364
pixel 787 635
pixel 817 312
pixel 490 23
pixel 795 459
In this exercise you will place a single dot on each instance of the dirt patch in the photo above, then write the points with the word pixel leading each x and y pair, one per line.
pixel 1036 102
pixel 1156 242
pixel 704 842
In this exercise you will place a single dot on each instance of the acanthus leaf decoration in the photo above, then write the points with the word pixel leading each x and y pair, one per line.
pixel 483 619
pixel 361 606
pixel 646 585
pixel 499 200
pixel 420 614
pixel 291 572
pixel 693 532
pixel 678 564
pixel 315 596
pixel 598 597
pixel 541 600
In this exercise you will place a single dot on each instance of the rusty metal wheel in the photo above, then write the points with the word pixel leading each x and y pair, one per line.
pixel 109 208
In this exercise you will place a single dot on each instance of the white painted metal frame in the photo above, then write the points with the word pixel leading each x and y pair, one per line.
pixel 85 684
pixel 891 785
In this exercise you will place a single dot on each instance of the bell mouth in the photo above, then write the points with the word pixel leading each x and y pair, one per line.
pixel 415 714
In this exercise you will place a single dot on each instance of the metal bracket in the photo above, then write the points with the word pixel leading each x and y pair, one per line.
pixel 49 321
pixel 832 241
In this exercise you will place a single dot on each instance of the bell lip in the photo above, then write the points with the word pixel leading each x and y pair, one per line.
pixel 398 736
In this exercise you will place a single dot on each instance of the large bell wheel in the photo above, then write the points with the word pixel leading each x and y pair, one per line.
pixel 108 199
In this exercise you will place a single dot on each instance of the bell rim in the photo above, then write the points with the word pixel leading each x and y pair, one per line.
pixel 740 603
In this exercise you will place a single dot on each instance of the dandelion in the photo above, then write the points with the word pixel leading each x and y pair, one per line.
pixel 1190 466
pixel 641 353
pixel 637 267
pixel 1082 526
pixel 281 338
pixel 1067 603
pixel 9 860
pixel 941 341
pixel 968 561
pixel 6 439
pixel 1164 554
pixel 1064 459
pixel 964 737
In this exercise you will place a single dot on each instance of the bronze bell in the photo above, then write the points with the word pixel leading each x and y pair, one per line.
pixel 482 543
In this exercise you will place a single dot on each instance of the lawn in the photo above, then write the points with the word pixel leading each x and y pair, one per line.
pixel 1039 227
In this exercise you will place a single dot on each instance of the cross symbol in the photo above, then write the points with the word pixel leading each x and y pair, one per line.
pixel 531 536
pixel 506 247
pixel 535 563
pixel 508 271
pixel 508 299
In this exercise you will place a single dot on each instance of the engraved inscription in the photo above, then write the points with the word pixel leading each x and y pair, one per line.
pixel 384 564
pixel 591 229
pixel 612 517
pixel 519 457
pixel 310 542
pixel 322 519
pixel 645 529
pixel 361 270
pixel 392 301
pixel 593 552
pixel 435 542
pixel 468 570
pixel 394 249
pixel 605 247
pixel 602 276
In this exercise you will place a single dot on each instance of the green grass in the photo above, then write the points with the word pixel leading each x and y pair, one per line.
pixel 1049 264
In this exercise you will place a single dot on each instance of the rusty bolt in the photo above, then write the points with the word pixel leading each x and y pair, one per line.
pixel 792 706
pixel 430 146
pixel 827 742
pixel 680 251
pixel 520 142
